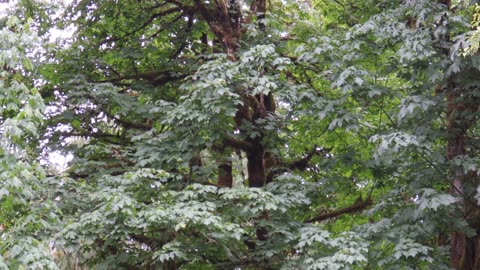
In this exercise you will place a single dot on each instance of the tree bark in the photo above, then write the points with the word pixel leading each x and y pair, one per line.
pixel 225 175
pixel 224 20
pixel 357 206
pixel 256 166
pixel 460 116
pixel 226 26
pixel 224 166
pixel 465 251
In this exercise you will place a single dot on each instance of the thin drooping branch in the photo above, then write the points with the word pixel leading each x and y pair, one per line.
pixel 155 16
pixel 155 78
pixel 162 29
pixel 129 125
pixel 357 206
pixel 183 44
pixel 148 22
pixel 111 138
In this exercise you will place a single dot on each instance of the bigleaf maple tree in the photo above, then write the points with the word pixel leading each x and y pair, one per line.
pixel 234 134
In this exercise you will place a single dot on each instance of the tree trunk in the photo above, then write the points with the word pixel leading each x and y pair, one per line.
pixel 225 21
pixel 225 175
pixel 465 251
pixel 255 166
pixel 460 116
pixel 226 26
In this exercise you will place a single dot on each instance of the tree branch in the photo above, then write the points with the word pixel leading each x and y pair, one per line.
pixel 302 164
pixel 127 124
pixel 153 17
pixel 357 206
pixel 277 167
pixel 177 3
pixel 155 78
pixel 238 144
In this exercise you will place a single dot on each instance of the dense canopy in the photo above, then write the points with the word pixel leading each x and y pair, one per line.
pixel 240 134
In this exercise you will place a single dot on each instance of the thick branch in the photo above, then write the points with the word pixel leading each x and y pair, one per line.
pixel 223 21
pixel 277 167
pixel 303 163
pixel 259 8
pixel 204 12
pixel 357 206
pixel 238 144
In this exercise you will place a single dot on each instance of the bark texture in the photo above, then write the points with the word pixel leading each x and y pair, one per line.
pixel 461 117
pixel 225 19
pixel 461 111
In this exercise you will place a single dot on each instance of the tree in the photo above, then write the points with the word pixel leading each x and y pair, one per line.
pixel 26 214
pixel 249 134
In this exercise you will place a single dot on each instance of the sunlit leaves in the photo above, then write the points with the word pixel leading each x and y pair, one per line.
pixel 212 213
pixel 394 142
pixel 346 251
pixel 430 199
pixel 23 219
pixel 27 251
pixel 22 107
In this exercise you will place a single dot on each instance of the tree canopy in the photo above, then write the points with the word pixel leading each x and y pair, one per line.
pixel 240 134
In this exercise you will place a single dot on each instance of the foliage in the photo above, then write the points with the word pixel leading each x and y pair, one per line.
pixel 26 214
pixel 241 135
